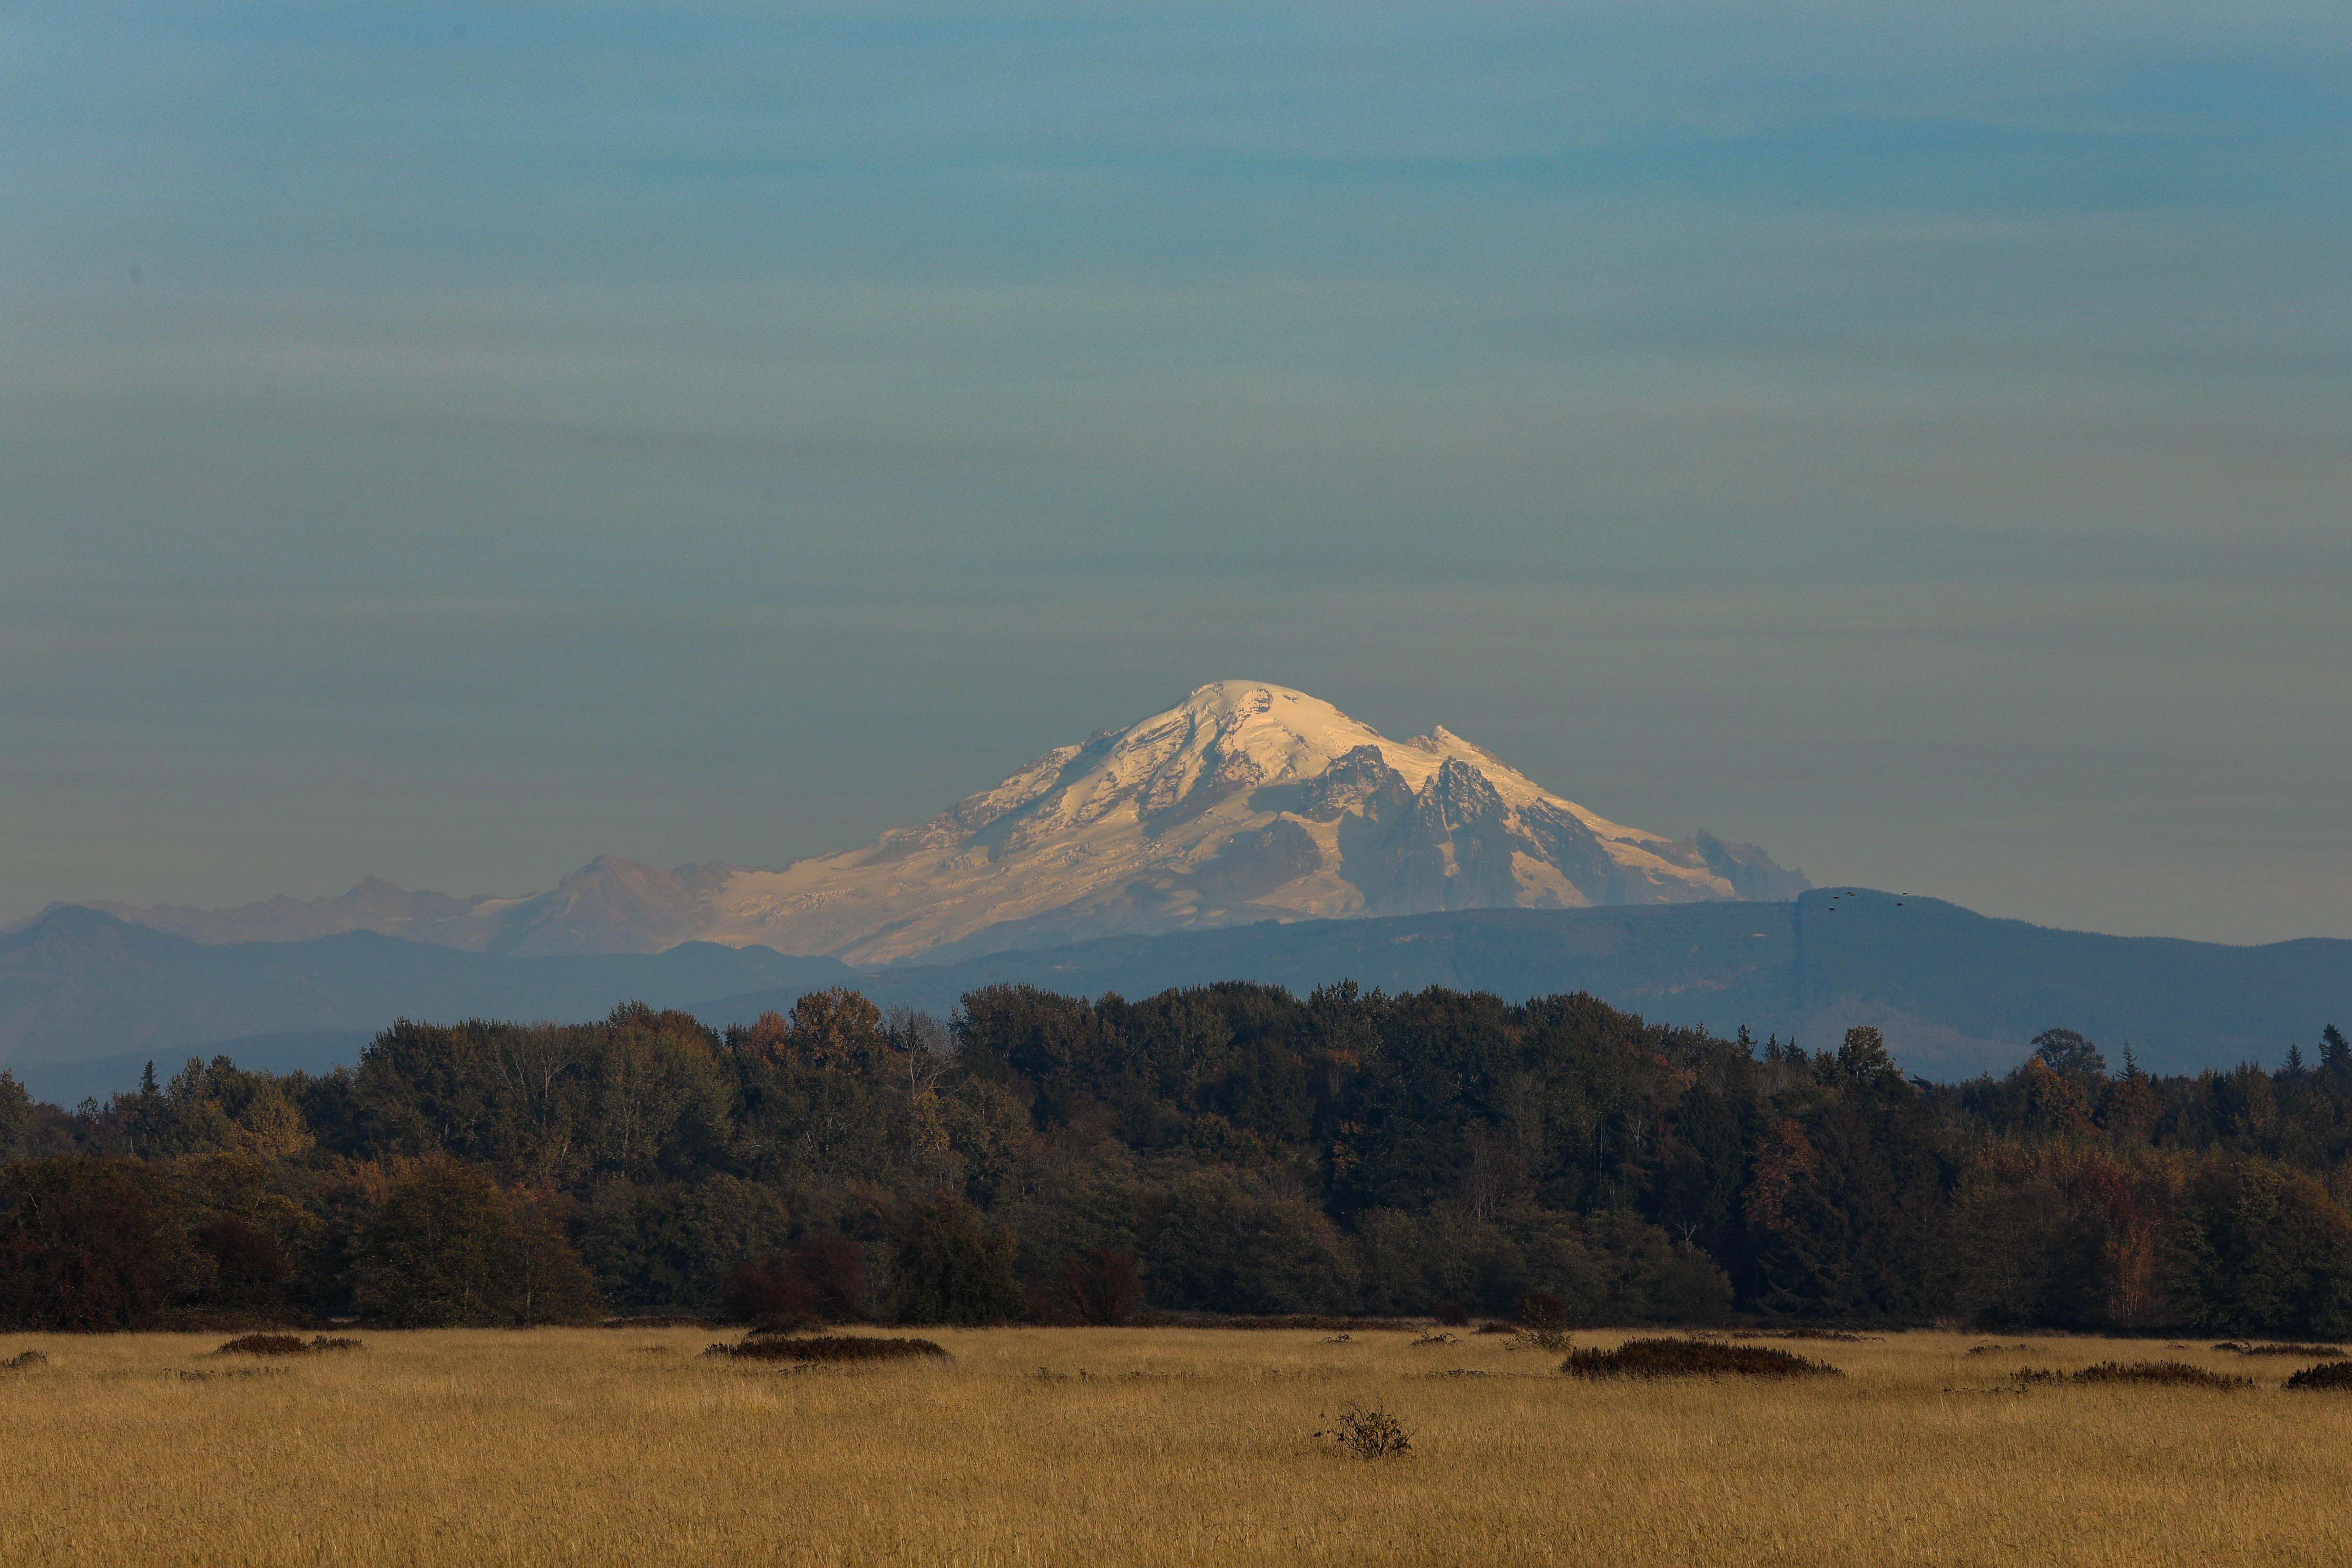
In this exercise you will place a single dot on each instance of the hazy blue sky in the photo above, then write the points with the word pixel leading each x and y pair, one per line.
pixel 446 443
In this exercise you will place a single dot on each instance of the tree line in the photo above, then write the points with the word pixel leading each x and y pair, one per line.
pixel 1227 1149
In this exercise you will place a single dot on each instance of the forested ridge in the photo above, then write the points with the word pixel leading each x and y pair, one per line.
pixel 1230 1149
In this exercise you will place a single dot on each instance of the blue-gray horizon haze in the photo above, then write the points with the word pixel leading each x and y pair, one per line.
pixel 446 443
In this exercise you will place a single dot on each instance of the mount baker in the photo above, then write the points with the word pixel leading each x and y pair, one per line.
pixel 1246 801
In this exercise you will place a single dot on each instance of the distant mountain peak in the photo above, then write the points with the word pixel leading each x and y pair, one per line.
pixel 1246 801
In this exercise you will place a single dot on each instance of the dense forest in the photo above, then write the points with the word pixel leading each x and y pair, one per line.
pixel 1232 1149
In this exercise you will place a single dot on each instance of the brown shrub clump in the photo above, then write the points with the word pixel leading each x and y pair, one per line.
pixel 2328 1374
pixel 24 1360
pixel 2268 1349
pixel 1369 1433
pixel 1320 1320
pixel 828 1347
pixel 265 1345
pixel 1691 1358
pixel 285 1344
pixel 2176 1373
pixel 659 1320
pixel 1839 1335
pixel 1543 1321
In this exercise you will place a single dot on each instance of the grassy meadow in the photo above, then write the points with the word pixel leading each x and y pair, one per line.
pixel 1145 1446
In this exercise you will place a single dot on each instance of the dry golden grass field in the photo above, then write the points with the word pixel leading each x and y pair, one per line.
pixel 1183 1447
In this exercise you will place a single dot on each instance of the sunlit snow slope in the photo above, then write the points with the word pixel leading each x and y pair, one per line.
pixel 1245 801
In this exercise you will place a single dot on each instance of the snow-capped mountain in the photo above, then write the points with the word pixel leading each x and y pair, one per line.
pixel 1246 801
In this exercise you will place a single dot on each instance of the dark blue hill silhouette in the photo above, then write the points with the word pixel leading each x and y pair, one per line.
pixel 1955 993
pixel 306 1050
pixel 79 987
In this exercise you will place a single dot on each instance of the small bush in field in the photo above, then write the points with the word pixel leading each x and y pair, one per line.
pixel 1543 1320
pixel 265 1345
pixel 1322 1322
pixel 285 1344
pixel 1691 1358
pixel 860 1347
pixel 2328 1375
pixel 2176 1374
pixel 1369 1433
pixel 1839 1335
pixel 828 1347
pixel 2314 1351
pixel 24 1360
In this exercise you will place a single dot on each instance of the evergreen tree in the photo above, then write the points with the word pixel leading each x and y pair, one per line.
pixel 15 1118
pixel 951 1269
pixel 89 1244
pixel 2265 1251
pixel 1863 1060
pixel 1845 1203
pixel 2335 1055
pixel 548 1284
pixel 2130 1108
pixel 445 1250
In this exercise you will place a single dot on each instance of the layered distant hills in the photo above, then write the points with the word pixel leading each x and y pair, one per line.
pixel 1249 833
pixel 1243 803
pixel 85 999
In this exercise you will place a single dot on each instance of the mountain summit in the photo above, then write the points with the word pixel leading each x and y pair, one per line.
pixel 1245 801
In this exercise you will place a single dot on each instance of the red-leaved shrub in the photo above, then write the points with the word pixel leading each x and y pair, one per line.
pixel 822 1279
pixel 1100 1287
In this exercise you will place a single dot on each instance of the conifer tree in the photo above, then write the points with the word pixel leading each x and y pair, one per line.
pixel 2335 1055
pixel 950 1268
